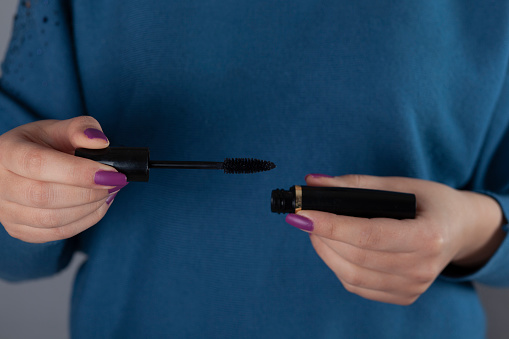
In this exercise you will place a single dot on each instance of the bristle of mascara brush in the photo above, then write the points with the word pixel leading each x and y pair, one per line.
pixel 246 165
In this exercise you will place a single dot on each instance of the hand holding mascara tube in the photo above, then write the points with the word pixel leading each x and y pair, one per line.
pixel 395 260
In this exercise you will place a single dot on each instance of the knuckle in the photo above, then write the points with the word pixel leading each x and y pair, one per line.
pixel 406 301
pixel 370 237
pixel 350 288
pixel 437 245
pixel 61 233
pixel 31 161
pixel 40 195
pixel 47 219
pixel 434 243
pixel 26 233
pixel 70 230
pixel 67 231
pixel 13 231
pixel 331 231
pixel 359 257
pixel 353 180
pixel 353 279
pixel 17 232
pixel 99 213
pixel 74 174
pixel 88 196
pixel 425 274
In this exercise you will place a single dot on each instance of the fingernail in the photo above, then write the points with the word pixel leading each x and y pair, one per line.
pixel 111 198
pixel 300 222
pixel 109 178
pixel 93 133
pixel 116 188
pixel 318 175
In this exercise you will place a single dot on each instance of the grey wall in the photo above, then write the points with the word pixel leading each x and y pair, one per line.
pixel 39 309
pixel 7 8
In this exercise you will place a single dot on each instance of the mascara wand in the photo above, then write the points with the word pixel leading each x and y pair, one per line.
pixel 135 162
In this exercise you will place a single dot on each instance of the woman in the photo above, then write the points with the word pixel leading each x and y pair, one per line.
pixel 402 97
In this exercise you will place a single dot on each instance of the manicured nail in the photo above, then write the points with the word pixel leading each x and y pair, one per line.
pixel 116 188
pixel 93 133
pixel 109 178
pixel 318 175
pixel 111 198
pixel 300 222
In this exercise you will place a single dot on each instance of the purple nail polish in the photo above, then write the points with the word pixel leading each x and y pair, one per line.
pixel 111 198
pixel 318 175
pixel 108 178
pixel 93 133
pixel 300 222
pixel 116 188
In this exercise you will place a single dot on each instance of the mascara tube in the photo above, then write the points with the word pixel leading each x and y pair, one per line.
pixel 355 202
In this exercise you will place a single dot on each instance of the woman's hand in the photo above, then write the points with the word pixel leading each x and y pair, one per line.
pixel 395 261
pixel 46 193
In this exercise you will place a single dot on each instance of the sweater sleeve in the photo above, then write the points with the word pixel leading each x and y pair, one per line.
pixel 39 81
pixel 492 178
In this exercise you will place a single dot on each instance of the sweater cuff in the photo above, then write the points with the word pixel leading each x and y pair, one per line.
pixel 496 271
pixel 20 260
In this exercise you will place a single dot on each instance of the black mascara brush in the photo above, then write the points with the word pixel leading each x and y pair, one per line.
pixel 135 162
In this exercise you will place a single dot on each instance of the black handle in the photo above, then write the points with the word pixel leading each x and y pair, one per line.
pixel 354 202
pixel 364 203
pixel 132 161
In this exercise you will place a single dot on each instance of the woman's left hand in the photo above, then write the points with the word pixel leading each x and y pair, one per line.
pixel 395 261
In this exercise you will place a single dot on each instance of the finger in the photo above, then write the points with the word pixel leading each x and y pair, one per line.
pixel 42 235
pixel 40 194
pixel 401 264
pixel 377 234
pixel 37 162
pixel 48 218
pixel 359 277
pixel 67 135
pixel 381 296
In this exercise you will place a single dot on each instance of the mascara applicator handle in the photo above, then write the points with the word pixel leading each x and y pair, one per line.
pixel 131 161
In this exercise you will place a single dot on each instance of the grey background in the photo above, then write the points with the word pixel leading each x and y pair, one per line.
pixel 39 309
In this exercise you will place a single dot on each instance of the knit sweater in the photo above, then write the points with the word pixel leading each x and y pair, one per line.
pixel 416 89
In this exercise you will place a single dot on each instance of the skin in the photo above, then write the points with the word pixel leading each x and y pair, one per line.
pixel 47 193
pixel 396 261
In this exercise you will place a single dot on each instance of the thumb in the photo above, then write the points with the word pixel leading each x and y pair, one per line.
pixel 82 131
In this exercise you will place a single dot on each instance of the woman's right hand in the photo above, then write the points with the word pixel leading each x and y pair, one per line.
pixel 46 193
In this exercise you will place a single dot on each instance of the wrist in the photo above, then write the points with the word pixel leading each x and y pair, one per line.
pixel 482 220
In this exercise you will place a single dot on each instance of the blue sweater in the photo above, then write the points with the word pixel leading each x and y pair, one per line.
pixel 416 88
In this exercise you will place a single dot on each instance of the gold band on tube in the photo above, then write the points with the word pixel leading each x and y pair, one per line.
pixel 298 198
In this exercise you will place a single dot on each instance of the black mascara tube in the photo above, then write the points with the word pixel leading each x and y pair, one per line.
pixel 355 202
